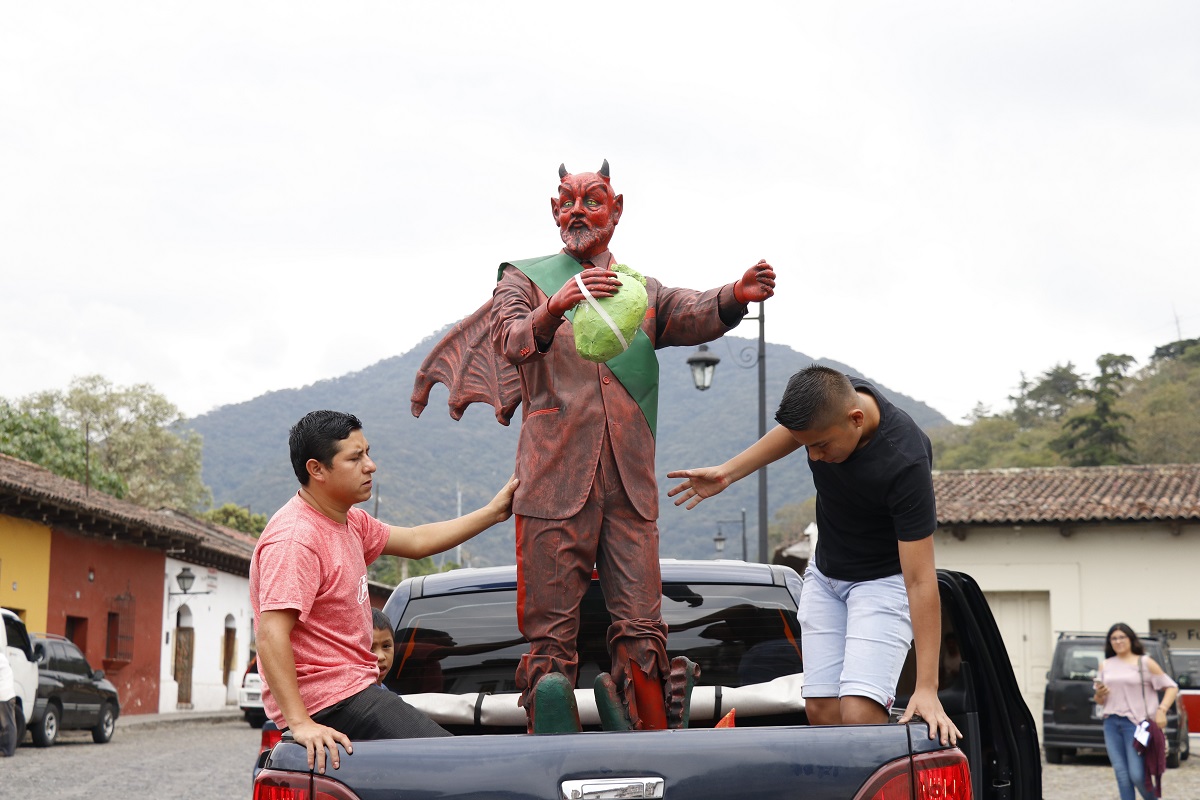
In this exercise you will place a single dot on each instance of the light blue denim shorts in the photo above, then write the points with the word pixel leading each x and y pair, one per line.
pixel 855 636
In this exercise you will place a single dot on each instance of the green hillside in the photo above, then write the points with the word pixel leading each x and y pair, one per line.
pixel 422 460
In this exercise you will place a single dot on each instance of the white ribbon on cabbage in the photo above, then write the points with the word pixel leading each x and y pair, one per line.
pixel 595 304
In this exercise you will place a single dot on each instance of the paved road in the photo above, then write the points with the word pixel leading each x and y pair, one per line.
pixel 147 759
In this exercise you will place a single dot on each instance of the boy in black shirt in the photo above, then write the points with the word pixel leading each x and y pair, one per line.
pixel 872 468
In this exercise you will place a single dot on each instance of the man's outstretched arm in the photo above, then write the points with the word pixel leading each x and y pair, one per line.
pixel 434 537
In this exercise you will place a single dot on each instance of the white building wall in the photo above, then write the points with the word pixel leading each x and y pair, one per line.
pixel 1099 575
pixel 228 596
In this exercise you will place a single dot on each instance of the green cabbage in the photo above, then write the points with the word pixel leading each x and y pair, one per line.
pixel 594 339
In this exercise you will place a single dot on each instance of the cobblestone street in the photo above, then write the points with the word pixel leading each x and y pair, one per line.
pixel 1090 777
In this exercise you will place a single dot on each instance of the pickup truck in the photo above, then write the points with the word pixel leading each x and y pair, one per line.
pixel 457 645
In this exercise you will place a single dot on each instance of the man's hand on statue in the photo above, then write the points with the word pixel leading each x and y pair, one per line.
pixel 697 485
pixel 756 285
pixel 600 282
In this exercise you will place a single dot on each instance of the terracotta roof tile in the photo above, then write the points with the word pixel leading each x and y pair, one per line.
pixel 1168 492
pixel 32 492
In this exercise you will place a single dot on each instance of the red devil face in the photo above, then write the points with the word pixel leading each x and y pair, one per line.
pixel 586 211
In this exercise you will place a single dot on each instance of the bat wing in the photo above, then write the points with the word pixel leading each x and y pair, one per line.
pixel 466 361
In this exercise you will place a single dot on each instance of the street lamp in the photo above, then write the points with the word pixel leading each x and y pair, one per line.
pixel 703 364
pixel 185 579
pixel 721 543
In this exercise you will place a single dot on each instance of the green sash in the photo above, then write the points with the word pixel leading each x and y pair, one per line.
pixel 636 368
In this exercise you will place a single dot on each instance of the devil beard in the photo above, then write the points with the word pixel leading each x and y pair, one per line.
pixel 580 241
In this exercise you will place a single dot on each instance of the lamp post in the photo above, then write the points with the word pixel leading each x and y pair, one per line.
pixel 721 543
pixel 185 579
pixel 703 364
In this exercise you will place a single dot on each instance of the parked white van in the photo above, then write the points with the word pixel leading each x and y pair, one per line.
pixel 15 640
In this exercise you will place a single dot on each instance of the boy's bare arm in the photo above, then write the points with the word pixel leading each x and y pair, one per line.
pixel 708 481
pixel 924 603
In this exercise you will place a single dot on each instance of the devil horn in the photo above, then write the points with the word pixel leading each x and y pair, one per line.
pixel 604 169
pixel 562 171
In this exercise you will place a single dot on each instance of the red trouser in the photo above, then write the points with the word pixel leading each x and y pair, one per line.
pixel 554 569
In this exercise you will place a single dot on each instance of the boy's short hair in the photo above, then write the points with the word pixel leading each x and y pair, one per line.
pixel 316 435
pixel 380 621
pixel 815 399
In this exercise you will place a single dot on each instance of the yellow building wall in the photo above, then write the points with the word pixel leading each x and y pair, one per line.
pixel 25 569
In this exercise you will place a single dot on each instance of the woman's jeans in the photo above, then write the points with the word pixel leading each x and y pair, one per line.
pixel 1126 763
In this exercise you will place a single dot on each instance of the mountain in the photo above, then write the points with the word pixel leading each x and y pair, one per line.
pixel 424 462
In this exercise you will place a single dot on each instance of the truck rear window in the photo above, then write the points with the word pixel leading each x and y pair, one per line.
pixel 738 634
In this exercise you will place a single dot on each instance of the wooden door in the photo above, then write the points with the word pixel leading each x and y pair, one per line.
pixel 227 649
pixel 184 642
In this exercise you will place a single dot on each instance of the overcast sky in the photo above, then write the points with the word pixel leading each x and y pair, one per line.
pixel 223 199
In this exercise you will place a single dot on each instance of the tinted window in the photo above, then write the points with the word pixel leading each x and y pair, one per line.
pixel 1078 661
pixel 1187 668
pixel 74 660
pixel 17 636
pixel 470 643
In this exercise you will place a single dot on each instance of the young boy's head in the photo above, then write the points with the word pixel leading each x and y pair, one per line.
pixel 382 643
pixel 822 410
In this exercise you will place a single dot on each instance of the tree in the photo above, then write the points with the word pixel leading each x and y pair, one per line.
pixel 137 434
pixel 1165 403
pixel 994 442
pixel 789 524
pixel 41 438
pixel 1097 437
pixel 231 515
pixel 1051 397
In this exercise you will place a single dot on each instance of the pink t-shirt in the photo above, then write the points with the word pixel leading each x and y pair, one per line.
pixel 307 562
pixel 1132 695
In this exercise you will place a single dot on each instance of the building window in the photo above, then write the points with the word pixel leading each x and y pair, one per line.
pixel 118 642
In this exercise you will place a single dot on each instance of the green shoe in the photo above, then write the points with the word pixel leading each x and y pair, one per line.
pixel 614 716
pixel 553 709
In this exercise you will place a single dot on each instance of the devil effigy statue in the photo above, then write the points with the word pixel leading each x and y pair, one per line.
pixel 585 456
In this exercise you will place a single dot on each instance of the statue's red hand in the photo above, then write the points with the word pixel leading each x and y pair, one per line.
pixel 600 282
pixel 756 285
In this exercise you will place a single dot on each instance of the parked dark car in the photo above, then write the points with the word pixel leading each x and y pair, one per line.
pixel 1070 718
pixel 70 695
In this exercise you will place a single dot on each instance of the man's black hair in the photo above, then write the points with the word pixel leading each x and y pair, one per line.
pixel 316 435
pixel 814 398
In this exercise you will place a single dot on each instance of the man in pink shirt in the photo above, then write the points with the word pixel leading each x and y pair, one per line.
pixel 308 587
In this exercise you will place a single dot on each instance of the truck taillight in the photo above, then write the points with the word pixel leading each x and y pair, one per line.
pixel 271 785
pixel 943 775
pixel 270 736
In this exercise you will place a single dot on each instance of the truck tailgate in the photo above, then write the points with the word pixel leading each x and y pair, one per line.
pixel 698 764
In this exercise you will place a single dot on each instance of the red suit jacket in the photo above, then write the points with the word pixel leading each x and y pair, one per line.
pixel 567 402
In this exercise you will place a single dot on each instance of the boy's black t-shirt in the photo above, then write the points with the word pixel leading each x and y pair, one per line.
pixel 878 496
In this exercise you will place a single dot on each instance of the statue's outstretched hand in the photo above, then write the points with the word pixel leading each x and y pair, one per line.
pixel 697 485
pixel 600 282
pixel 756 285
